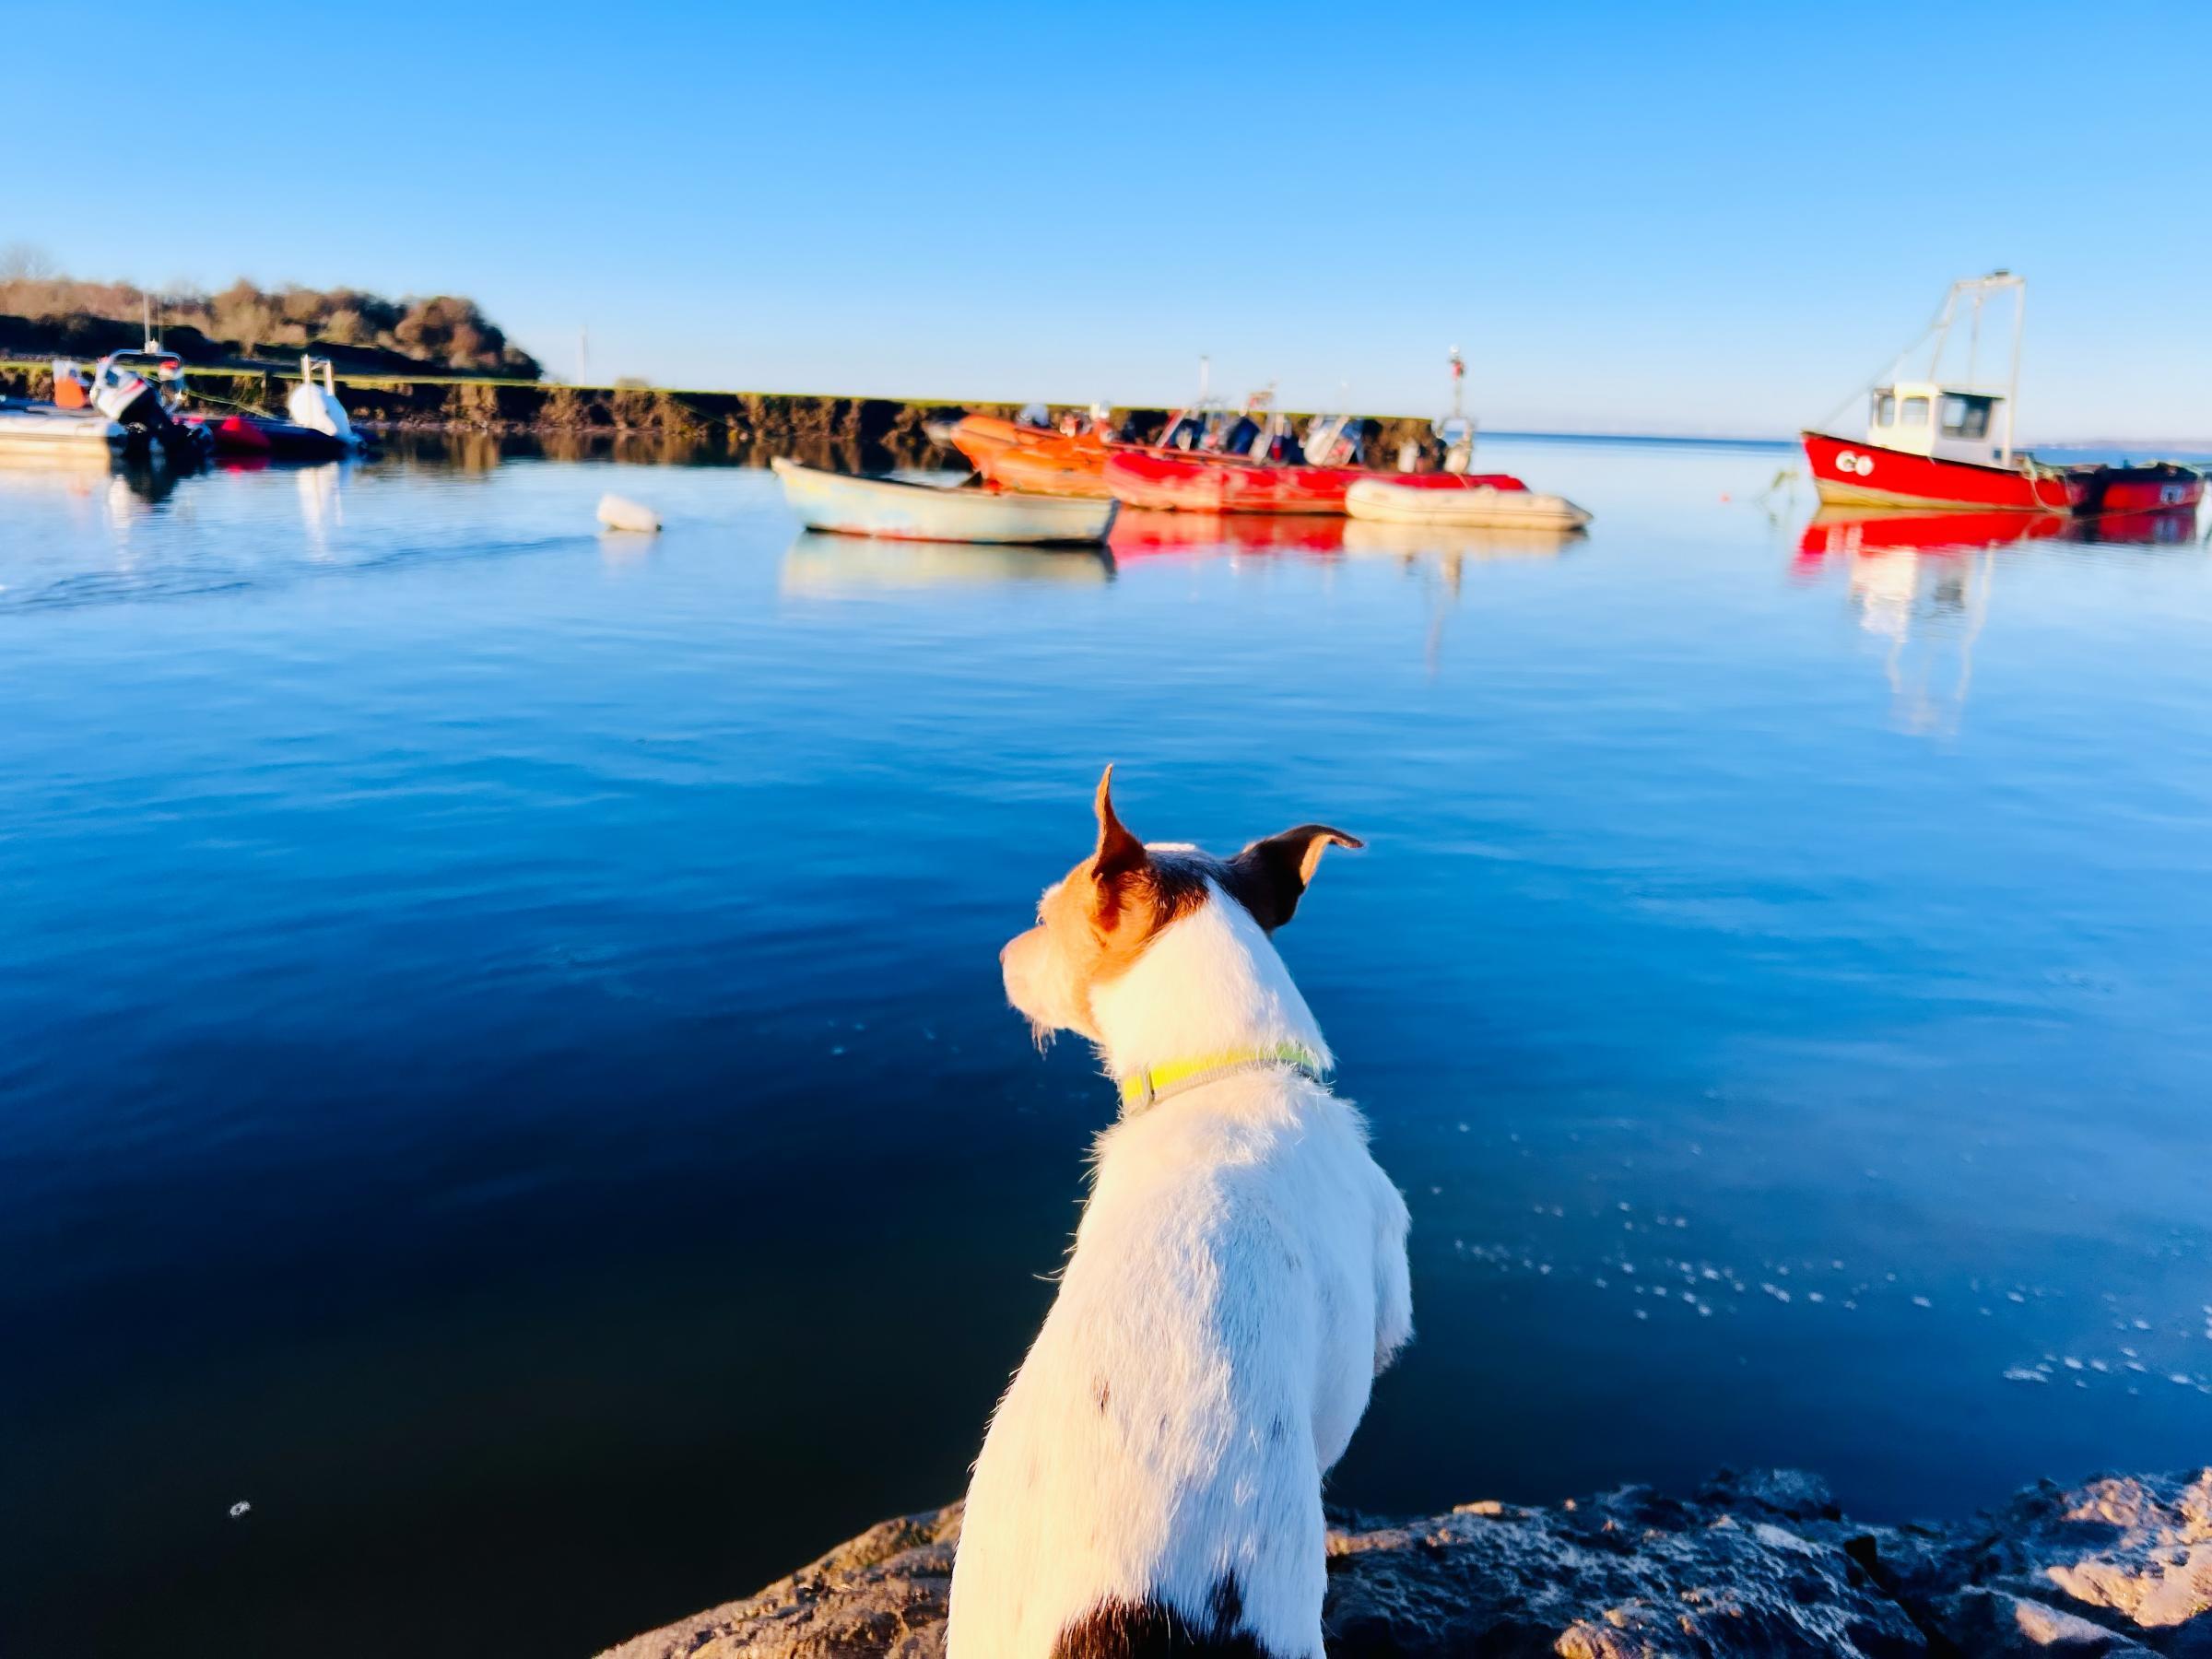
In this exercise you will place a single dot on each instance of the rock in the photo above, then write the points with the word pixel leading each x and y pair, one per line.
pixel 1992 1625
pixel 2131 1553
pixel 1627 1575
pixel 1761 1562
pixel 882 1592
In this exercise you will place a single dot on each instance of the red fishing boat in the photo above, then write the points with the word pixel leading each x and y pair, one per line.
pixel 1932 442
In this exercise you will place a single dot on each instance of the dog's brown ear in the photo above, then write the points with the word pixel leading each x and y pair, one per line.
pixel 1119 859
pixel 1270 877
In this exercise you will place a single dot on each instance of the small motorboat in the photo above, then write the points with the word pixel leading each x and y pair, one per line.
pixel 2161 487
pixel 1485 500
pixel 138 389
pixel 26 426
pixel 897 509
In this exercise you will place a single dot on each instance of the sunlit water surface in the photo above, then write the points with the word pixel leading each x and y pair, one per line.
pixel 504 1067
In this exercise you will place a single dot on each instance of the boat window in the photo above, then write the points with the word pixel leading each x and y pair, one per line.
pixel 1965 416
pixel 1915 412
pixel 1885 408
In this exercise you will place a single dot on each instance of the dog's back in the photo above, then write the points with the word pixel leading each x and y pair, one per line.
pixel 1151 1482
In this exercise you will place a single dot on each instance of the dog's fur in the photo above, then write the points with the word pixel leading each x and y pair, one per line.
pixel 1151 1481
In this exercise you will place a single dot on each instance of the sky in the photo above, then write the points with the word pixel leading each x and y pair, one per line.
pixel 1691 218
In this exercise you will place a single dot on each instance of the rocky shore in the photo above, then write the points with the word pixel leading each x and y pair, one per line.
pixel 1758 1564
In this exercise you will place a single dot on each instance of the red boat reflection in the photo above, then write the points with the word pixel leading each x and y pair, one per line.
pixel 1841 532
pixel 1138 532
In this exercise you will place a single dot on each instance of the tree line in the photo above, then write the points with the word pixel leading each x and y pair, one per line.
pixel 444 330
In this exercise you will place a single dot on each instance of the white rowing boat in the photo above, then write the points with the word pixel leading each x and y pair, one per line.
pixel 26 425
pixel 1433 501
pixel 897 510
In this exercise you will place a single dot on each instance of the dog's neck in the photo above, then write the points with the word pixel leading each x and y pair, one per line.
pixel 1209 986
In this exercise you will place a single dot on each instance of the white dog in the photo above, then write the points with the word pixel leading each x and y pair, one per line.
pixel 1151 1481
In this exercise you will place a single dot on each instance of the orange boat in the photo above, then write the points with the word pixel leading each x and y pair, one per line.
pixel 982 437
pixel 1062 466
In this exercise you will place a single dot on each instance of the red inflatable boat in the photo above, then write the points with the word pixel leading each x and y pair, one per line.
pixel 1178 481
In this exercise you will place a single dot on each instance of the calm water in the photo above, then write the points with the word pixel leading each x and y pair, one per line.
pixel 504 1067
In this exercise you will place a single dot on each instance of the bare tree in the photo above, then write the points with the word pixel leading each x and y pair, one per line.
pixel 26 261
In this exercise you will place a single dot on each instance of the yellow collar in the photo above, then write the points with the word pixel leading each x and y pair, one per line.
pixel 1147 1088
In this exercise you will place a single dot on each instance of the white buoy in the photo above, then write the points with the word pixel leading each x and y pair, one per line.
pixel 618 512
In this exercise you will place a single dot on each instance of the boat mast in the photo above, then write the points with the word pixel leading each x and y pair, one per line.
pixel 1980 289
pixel 2012 387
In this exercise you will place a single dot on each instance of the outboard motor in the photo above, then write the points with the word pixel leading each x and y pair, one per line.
pixel 133 402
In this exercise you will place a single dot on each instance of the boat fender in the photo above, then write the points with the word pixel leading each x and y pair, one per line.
pixel 618 512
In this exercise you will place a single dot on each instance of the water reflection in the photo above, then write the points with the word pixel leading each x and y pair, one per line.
pixel 322 501
pixel 1921 582
pixel 1455 542
pixel 1843 532
pixel 1204 534
pixel 820 566
pixel 1440 554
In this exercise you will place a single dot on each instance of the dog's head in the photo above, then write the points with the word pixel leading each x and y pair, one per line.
pixel 1094 923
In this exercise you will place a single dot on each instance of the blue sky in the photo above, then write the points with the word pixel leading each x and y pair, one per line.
pixel 1704 219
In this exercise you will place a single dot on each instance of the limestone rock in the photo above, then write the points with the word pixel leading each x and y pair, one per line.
pixel 2132 1553
pixel 1759 1563
pixel 884 1593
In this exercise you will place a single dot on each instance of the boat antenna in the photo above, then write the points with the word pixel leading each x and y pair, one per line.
pixel 1459 382
pixel 1205 375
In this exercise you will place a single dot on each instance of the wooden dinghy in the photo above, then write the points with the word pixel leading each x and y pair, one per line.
pixel 1446 498
pixel 893 508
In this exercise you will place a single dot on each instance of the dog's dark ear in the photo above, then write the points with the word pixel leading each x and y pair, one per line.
pixel 1120 856
pixel 1270 877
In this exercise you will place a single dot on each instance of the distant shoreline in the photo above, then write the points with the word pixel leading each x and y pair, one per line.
pixel 879 429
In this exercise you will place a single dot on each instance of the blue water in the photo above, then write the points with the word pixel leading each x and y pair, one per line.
pixel 504 1071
